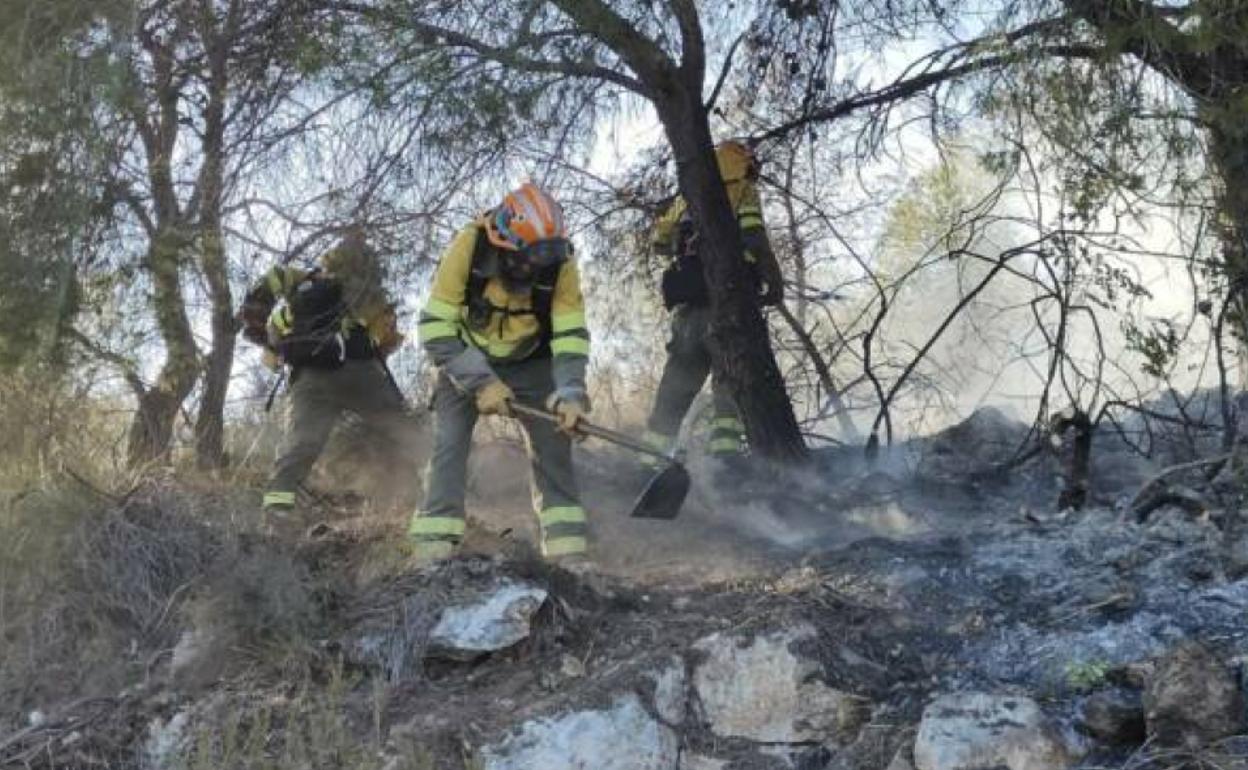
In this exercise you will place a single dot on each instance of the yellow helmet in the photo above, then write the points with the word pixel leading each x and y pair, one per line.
pixel 350 256
pixel 736 160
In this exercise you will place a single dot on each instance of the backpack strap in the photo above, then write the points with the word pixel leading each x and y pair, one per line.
pixel 474 292
pixel 543 299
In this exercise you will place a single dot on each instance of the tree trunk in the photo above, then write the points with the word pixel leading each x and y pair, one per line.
pixel 741 354
pixel 210 423
pixel 151 431
pixel 1229 151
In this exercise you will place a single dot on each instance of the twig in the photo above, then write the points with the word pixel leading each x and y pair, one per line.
pixel 93 489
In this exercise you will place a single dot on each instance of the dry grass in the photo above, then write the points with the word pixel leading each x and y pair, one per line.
pixel 311 730
pixel 90 591
pixel 93 594
pixel 1227 754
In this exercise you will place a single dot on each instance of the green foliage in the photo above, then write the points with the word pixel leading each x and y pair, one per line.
pixel 933 216
pixel 1111 286
pixel 1158 344
pixel 1085 676
pixel 54 70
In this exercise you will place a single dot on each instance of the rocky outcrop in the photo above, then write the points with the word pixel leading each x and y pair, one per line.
pixel 166 742
pixel 1114 717
pixel 623 736
pixel 1192 700
pixel 761 689
pixel 979 731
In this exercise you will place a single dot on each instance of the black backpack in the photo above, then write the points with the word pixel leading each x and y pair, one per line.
pixel 480 309
pixel 316 337
pixel 683 282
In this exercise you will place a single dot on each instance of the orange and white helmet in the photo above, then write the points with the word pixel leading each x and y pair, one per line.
pixel 526 216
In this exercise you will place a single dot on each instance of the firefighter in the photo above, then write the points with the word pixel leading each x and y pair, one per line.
pixel 334 327
pixel 505 322
pixel 685 294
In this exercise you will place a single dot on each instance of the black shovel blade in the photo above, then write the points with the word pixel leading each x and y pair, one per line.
pixel 664 494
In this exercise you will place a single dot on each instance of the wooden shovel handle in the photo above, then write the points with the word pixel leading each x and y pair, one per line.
pixel 589 429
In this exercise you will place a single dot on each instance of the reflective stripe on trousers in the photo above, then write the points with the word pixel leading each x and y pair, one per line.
pixel 565 530
pixel 274 499
pixel 656 440
pixel 555 497
pixel 435 537
pixel 726 435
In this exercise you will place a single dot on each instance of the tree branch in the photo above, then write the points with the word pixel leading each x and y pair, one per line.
pixel 907 87
pixel 1146 32
pixel 125 365
pixel 693 45
pixel 723 72
pixel 507 56
pixel 642 54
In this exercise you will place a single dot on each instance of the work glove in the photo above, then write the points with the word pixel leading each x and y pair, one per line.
pixel 570 411
pixel 495 398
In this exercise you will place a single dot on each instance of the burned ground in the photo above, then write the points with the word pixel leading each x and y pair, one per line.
pixel 888 586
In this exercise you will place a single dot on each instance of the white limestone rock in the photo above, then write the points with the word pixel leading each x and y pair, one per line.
pixel 762 690
pixel 978 731
pixel 495 621
pixel 623 736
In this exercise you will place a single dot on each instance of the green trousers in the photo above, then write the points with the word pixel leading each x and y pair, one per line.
pixel 438 526
pixel 318 397
pixel 688 365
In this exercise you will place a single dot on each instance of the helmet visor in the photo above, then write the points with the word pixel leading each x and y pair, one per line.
pixel 545 253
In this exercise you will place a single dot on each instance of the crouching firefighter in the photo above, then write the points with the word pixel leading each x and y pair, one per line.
pixel 686 295
pixel 505 322
pixel 334 327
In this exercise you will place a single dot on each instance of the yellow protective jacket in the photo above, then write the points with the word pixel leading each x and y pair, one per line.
pixel 743 196
pixel 467 345
pixel 266 314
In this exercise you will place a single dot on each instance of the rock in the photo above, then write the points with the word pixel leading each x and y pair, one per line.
pixel 980 441
pixel 785 758
pixel 903 759
pixel 1177 527
pixel 978 731
pixel 166 742
pixel 1237 557
pixel 762 690
pixel 495 621
pixel 670 695
pixel 699 762
pixel 189 652
pixel 621 737
pixel 1114 716
pixel 1192 699
pixel 394 642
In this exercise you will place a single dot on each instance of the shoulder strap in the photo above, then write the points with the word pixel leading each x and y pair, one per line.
pixel 544 297
pixel 474 291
